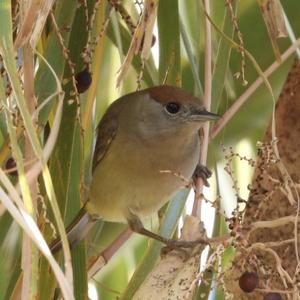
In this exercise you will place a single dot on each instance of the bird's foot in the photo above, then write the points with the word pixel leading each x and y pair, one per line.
pixel 203 172
pixel 183 246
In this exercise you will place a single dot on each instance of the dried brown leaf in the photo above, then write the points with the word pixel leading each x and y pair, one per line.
pixel 33 23
pixel 274 19
pixel 142 37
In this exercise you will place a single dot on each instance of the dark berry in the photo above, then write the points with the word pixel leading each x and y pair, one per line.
pixel 248 282
pixel 152 42
pixel 11 165
pixel 272 296
pixel 83 81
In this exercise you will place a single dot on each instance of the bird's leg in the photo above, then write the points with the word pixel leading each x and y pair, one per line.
pixel 203 172
pixel 137 226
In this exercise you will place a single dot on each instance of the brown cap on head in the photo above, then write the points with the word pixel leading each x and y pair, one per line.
pixel 168 93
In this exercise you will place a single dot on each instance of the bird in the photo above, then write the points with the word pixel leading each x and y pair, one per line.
pixel 146 142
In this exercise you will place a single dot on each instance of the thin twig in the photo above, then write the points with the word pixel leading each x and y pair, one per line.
pixel 100 260
pixel 207 103
pixel 252 88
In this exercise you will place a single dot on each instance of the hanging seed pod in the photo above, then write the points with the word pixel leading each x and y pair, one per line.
pixel 11 165
pixel 83 80
pixel 153 41
pixel 248 282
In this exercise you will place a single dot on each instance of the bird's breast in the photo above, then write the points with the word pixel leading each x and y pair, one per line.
pixel 139 177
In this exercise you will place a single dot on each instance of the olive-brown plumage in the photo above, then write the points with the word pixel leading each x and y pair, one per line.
pixel 141 136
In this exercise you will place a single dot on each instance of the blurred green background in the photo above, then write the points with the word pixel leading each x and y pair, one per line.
pixel 179 50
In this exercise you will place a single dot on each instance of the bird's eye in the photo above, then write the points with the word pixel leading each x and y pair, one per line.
pixel 172 108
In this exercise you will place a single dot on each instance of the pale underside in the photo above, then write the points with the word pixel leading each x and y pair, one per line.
pixel 130 189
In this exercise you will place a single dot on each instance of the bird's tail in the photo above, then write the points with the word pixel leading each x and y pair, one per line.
pixel 76 231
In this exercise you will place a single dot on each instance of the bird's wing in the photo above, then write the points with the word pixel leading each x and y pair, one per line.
pixel 107 130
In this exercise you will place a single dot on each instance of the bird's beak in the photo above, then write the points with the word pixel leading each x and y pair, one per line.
pixel 204 115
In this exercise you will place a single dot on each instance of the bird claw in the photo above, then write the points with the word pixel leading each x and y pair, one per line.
pixel 202 172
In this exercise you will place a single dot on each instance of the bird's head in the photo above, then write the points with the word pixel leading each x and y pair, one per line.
pixel 167 109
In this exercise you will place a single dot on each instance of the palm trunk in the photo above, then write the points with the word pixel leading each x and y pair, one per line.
pixel 270 249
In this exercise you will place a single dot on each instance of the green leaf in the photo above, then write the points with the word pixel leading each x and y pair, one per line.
pixel 45 84
pixel 169 42
pixel 222 61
